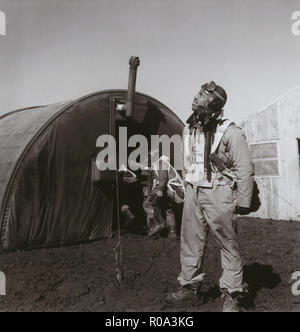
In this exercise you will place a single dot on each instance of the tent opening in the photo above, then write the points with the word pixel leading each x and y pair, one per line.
pixel 131 195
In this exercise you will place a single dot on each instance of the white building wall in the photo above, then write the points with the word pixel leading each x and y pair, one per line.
pixel 289 130
pixel 279 123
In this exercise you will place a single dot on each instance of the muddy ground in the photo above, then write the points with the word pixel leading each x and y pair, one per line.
pixel 82 277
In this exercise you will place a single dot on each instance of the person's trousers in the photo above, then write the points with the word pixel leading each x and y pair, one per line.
pixel 162 212
pixel 210 209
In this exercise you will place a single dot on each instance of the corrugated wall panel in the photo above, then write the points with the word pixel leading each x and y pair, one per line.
pixel 280 195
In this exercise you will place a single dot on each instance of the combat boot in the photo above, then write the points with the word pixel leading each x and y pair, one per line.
pixel 231 303
pixel 155 229
pixel 183 294
pixel 172 233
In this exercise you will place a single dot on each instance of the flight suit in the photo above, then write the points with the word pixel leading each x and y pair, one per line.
pixel 211 206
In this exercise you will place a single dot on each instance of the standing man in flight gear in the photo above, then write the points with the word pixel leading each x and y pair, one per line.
pixel 167 190
pixel 214 196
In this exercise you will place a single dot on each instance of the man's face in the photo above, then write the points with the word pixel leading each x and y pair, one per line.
pixel 201 99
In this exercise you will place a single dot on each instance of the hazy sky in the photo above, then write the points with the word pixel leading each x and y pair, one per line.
pixel 57 50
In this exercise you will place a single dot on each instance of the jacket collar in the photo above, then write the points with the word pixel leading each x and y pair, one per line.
pixel 195 124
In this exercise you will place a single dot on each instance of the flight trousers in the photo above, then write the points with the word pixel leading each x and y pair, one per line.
pixel 210 209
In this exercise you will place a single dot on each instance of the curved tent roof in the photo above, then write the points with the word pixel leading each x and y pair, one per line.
pixel 46 195
pixel 17 130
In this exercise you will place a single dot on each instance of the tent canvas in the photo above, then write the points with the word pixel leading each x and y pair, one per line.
pixel 47 196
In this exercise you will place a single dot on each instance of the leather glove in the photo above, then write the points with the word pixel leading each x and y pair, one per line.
pixel 242 210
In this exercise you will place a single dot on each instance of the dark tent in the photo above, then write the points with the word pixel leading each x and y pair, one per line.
pixel 47 196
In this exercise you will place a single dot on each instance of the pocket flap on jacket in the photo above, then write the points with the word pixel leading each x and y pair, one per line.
pixel 222 181
pixel 190 261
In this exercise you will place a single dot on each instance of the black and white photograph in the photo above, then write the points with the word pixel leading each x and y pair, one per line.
pixel 150 158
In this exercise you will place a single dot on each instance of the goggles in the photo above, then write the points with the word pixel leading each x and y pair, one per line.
pixel 211 88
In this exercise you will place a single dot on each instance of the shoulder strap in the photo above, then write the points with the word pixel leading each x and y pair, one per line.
pixel 124 169
pixel 219 134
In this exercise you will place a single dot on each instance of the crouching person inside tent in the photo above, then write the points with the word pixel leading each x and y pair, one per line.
pixel 167 191
pixel 128 193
